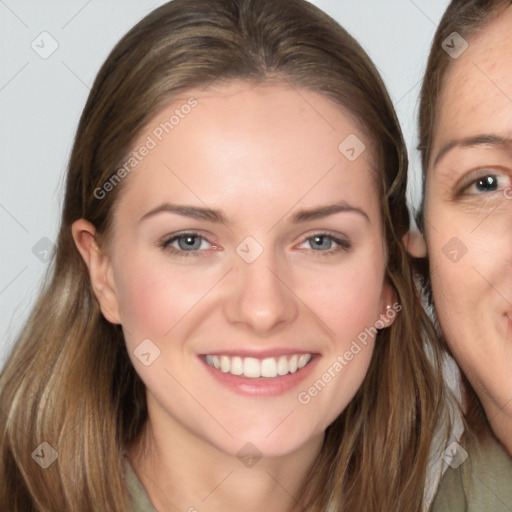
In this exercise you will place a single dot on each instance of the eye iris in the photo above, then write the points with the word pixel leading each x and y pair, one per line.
pixel 487 184
pixel 187 243
pixel 321 242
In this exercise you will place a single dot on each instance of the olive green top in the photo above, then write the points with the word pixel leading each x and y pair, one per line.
pixel 482 483
pixel 139 498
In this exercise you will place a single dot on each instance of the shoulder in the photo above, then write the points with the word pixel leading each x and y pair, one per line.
pixel 482 482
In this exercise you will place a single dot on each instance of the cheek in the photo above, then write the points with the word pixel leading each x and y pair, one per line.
pixel 353 301
pixel 347 300
pixel 471 274
pixel 470 252
pixel 154 296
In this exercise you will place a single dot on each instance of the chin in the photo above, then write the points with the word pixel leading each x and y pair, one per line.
pixel 262 445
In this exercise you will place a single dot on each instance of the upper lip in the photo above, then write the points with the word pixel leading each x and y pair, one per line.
pixel 259 354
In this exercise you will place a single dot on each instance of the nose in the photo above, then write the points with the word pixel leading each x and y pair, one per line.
pixel 260 300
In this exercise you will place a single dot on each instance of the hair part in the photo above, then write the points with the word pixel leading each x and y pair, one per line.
pixel 69 380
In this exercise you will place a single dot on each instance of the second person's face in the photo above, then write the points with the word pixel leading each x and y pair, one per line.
pixel 468 214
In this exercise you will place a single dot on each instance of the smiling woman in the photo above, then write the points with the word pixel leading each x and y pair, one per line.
pixel 252 255
pixel 316 282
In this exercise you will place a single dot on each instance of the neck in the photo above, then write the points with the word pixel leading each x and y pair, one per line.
pixel 181 471
pixel 501 424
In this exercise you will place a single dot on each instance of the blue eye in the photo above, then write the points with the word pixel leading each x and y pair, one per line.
pixel 189 242
pixel 186 243
pixel 324 242
pixel 321 242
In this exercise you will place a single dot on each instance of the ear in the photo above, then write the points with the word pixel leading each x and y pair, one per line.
pixel 100 269
pixel 415 244
pixel 389 307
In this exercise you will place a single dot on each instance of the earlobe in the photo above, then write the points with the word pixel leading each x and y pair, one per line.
pixel 99 266
pixel 389 308
pixel 415 244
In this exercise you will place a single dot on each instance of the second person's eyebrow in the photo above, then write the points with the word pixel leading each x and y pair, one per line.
pixel 475 140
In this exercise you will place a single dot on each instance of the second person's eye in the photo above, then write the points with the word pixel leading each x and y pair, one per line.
pixel 485 183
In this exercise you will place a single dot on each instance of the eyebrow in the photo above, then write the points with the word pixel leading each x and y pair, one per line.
pixel 325 211
pixel 217 216
pixel 475 140
pixel 193 212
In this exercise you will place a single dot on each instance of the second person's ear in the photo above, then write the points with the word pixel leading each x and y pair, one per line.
pixel 415 244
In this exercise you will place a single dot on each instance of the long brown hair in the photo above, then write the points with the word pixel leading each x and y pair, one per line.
pixel 69 381
pixel 467 18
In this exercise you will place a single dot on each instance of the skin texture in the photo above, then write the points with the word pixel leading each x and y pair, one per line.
pixel 259 154
pixel 469 198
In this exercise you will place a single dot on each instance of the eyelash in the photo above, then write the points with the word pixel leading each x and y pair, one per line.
pixel 472 178
pixel 166 244
pixel 342 245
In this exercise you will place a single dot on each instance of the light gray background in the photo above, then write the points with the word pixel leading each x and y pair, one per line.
pixel 41 101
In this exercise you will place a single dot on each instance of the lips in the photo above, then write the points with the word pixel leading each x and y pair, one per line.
pixel 254 368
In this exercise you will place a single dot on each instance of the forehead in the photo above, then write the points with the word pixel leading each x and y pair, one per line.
pixel 253 144
pixel 476 95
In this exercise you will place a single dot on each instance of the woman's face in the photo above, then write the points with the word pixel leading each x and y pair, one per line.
pixel 468 215
pixel 246 262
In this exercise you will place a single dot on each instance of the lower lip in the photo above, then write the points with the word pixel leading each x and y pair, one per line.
pixel 262 386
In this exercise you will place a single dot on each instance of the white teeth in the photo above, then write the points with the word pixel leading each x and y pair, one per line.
pixel 303 360
pixel 292 365
pixel 237 366
pixel 269 367
pixel 225 364
pixel 253 368
pixel 282 365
